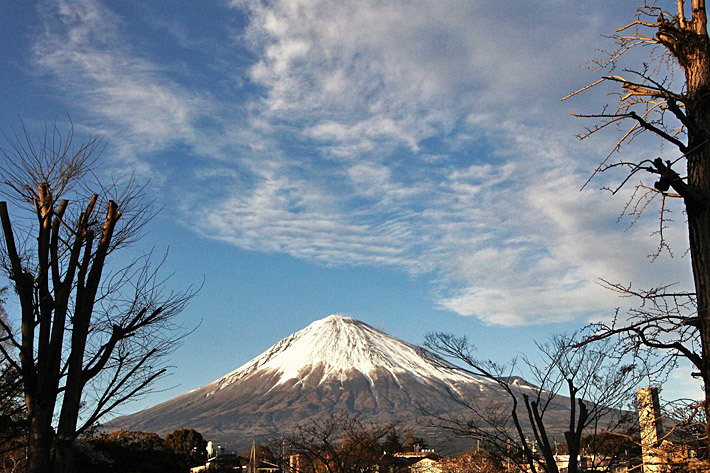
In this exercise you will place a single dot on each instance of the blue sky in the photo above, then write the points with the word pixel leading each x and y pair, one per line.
pixel 409 163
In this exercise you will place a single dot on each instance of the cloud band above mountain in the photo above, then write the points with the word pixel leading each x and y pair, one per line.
pixel 424 136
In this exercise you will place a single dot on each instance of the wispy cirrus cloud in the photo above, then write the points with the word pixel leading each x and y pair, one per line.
pixel 423 136
pixel 83 49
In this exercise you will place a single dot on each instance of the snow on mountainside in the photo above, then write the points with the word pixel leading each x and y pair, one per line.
pixel 336 345
pixel 333 365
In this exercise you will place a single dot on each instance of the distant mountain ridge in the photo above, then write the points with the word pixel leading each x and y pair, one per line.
pixel 334 364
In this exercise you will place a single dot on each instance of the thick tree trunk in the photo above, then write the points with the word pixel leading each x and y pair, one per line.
pixel 690 45
pixel 39 444
pixel 699 230
pixel 63 457
pixel 698 213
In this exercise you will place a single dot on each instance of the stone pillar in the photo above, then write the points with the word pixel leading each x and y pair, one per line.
pixel 651 429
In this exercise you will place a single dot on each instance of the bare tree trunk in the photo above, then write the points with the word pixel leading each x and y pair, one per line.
pixel 64 345
pixel 63 461
pixel 40 444
pixel 693 54
pixel 680 324
pixel 699 229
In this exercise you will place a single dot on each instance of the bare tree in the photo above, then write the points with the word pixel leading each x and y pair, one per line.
pixel 92 335
pixel 520 430
pixel 339 443
pixel 479 461
pixel 666 96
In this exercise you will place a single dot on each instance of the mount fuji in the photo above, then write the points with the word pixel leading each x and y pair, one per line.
pixel 335 364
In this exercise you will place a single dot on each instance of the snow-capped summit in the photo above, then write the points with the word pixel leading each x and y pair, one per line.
pixel 336 346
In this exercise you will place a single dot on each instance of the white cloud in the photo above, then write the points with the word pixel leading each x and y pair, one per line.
pixel 282 215
pixel 100 73
pixel 510 238
pixel 426 136
pixel 682 385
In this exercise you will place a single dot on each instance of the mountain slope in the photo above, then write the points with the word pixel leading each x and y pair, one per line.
pixel 334 364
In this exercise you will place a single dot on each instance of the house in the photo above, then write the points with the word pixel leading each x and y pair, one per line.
pixel 421 461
